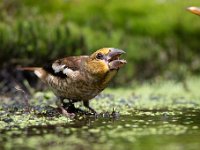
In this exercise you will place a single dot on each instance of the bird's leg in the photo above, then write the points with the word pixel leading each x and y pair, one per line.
pixel 67 104
pixel 86 104
pixel 62 106
pixel 70 108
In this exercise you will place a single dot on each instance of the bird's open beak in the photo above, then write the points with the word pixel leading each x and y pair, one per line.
pixel 194 10
pixel 113 58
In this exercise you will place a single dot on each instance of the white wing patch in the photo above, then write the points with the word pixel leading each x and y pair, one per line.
pixel 65 70
pixel 57 68
pixel 70 73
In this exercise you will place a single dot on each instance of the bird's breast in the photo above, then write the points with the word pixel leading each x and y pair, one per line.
pixel 108 77
pixel 75 89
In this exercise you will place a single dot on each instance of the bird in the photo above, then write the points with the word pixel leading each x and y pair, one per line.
pixel 80 78
pixel 194 10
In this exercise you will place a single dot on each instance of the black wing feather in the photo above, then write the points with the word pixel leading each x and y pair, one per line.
pixel 48 67
pixel 72 63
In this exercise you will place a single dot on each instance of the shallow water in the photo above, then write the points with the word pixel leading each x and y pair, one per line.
pixel 152 116
pixel 140 129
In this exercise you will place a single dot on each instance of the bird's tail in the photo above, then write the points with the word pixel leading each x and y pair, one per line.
pixel 28 68
pixel 37 70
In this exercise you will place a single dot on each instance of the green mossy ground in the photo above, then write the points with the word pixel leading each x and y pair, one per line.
pixel 158 115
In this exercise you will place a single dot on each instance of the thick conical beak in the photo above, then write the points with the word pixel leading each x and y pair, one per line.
pixel 194 10
pixel 114 53
pixel 114 60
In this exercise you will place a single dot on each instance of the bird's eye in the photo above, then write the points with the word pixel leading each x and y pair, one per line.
pixel 99 56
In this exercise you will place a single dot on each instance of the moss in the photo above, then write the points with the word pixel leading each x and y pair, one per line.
pixel 152 116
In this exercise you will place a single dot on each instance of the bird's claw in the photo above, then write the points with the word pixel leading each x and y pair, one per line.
pixel 67 114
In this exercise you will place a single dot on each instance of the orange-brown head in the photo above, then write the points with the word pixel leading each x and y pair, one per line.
pixel 104 60
pixel 194 10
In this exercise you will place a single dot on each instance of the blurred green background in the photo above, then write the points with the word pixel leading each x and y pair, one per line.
pixel 160 37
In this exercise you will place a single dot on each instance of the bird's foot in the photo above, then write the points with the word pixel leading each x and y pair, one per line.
pixel 66 113
pixel 93 111
pixel 70 108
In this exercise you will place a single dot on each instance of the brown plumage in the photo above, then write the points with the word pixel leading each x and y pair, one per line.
pixel 80 78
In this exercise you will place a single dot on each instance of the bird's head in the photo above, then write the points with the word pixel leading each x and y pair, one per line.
pixel 105 60
pixel 194 10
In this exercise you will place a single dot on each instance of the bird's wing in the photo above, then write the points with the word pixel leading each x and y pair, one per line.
pixel 65 67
